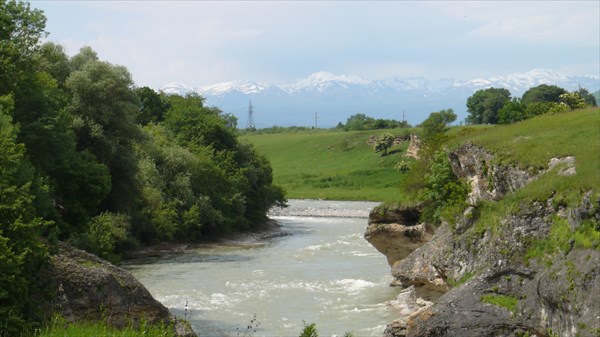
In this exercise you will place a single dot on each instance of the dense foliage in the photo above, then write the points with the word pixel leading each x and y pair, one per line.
pixel 494 106
pixel 87 157
pixel 360 122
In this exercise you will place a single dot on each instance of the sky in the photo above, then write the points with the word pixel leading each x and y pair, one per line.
pixel 204 42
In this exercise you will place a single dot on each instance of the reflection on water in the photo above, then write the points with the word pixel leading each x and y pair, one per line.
pixel 324 273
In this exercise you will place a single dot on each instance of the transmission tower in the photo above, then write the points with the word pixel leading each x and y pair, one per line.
pixel 250 122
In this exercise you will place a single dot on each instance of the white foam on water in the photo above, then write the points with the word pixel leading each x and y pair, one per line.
pixel 354 286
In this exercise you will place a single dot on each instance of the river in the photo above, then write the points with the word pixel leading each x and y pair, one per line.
pixel 323 272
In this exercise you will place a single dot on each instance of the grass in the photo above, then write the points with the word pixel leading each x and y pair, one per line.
pixel 342 165
pixel 531 144
pixel 60 328
pixel 507 302
pixel 332 165
pixel 466 277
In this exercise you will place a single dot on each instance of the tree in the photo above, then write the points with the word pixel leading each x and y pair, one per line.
pixel 21 28
pixel 52 59
pixel 153 106
pixel 103 107
pixel 358 122
pixel 589 98
pixel 444 194
pixel 437 122
pixel 483 106
pixel 384 142
pixel 543 93
pixel 512 112
pixel 194 124
pixel 22 253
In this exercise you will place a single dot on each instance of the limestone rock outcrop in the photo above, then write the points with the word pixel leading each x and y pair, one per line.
pixel 395 232
pixel 477 273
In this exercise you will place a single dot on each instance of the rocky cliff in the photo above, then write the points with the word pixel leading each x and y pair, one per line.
pixel 507 275
pixel 87 288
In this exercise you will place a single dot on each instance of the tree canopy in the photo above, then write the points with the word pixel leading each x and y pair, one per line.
pixel 484 105
pixel 88 158
pixel 543 93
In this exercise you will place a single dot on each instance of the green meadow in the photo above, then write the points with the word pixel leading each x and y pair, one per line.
pixel 333 165
pixel 340 165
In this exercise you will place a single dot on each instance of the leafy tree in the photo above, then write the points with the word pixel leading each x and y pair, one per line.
pixel 103 106
pixel 358 122
pixel 588 97
pixel 444 195
pixel 483 106
pixel 21 28
pixel 437 122
pixel 37 74
pixel 86 55
pixel 512 112
pixel 22 254
pixel 196 125
pixel 384 142
pixel 153 106
pixel 543 93
pixel 52 59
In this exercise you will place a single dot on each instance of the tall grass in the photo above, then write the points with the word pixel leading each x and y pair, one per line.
pixel 60 328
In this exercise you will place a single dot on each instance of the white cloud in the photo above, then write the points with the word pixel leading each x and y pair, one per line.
pixel 203 42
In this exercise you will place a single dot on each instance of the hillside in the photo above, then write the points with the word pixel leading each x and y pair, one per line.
pixel 333 165
pixel 521 257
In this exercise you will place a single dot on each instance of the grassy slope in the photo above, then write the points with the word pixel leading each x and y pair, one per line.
pixel 532 143
pixel 341 165
pixel 332 165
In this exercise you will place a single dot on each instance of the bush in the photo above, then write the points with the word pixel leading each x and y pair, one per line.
pixel 444 195
pixel 105 234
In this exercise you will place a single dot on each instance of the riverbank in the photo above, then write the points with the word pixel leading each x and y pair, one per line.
pixel 269 230
pixel 324 208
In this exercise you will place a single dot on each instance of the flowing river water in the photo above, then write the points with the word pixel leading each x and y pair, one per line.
pixel 323 272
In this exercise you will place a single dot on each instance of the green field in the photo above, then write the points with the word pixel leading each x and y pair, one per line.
pixel 332 165
pixel 342 165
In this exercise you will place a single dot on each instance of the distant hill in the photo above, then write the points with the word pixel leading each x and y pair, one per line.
pixel 336 97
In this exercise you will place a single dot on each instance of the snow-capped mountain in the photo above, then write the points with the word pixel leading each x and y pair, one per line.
pixel 243 87
pixel 175 88
pixel 520 82
pixel 323 81
pixel 336 97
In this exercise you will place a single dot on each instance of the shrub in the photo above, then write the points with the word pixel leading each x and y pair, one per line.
pixel 444 195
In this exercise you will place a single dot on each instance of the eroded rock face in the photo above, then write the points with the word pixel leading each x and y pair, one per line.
pixel 413 147
pixel 87 288
pixel 488 180
pixel 477 274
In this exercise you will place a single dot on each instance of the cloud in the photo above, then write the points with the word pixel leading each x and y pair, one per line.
pixel 203 42
pixel 571 22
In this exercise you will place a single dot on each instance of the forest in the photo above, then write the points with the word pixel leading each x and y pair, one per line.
pixel 89 158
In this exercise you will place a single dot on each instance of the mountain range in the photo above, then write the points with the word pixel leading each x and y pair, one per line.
pixel 333 98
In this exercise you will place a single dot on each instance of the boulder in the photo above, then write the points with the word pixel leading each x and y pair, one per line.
pixel 87 288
